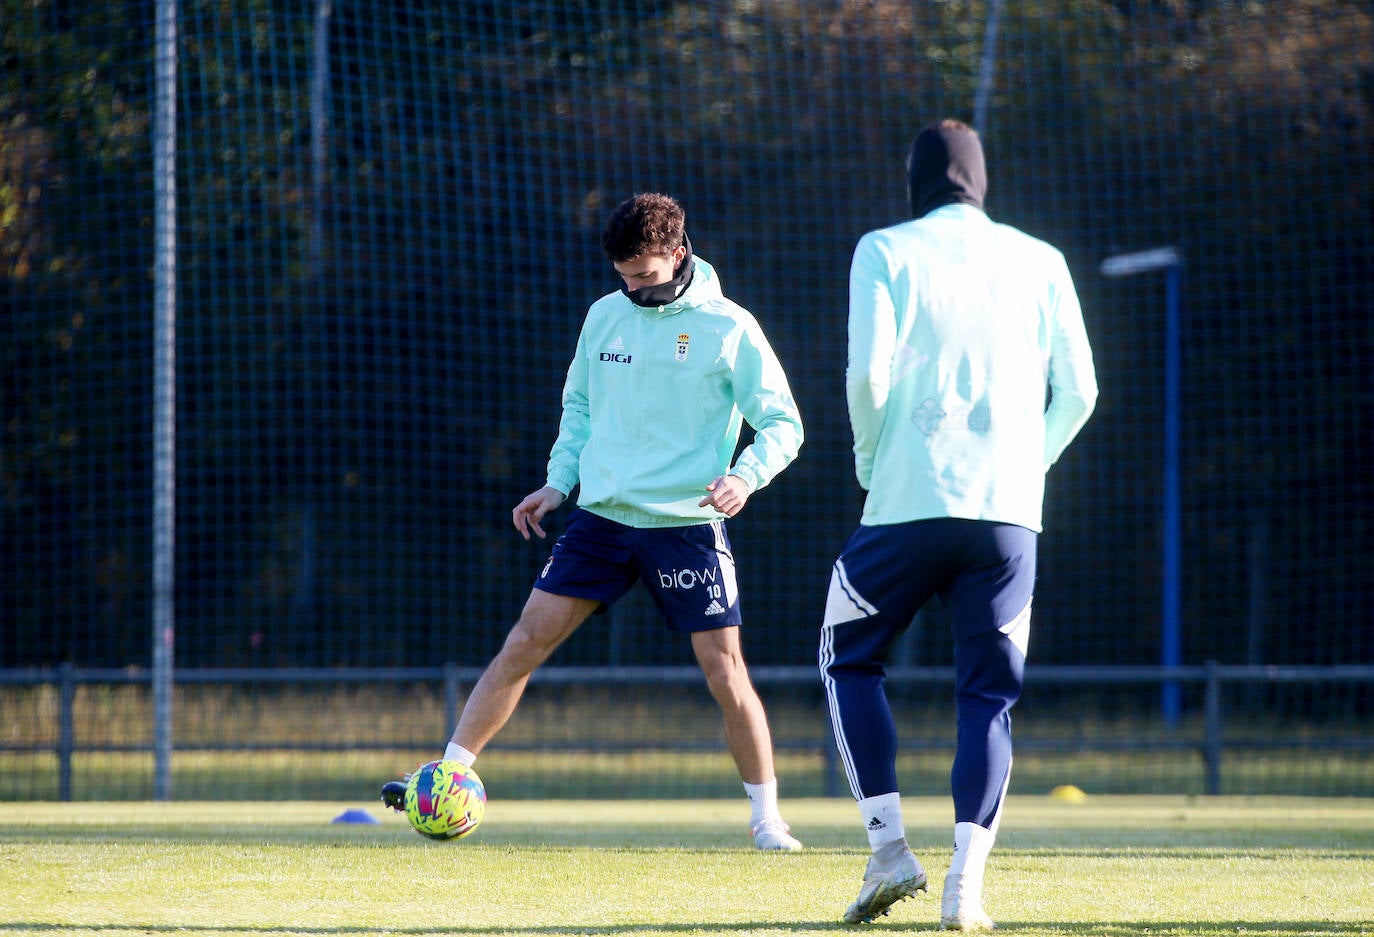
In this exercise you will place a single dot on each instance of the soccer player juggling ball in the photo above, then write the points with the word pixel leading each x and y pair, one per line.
pixel 957 328
pixel 664 373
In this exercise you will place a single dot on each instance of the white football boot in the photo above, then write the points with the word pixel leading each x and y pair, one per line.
pixel 961 907
pixel 772 834
pixel 887 880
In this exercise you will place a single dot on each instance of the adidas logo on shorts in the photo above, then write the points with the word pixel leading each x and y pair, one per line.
pixel 715 608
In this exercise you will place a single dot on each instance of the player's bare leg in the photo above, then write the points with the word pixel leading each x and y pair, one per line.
pixel 746 725
pixel 546 622
pixel 747 735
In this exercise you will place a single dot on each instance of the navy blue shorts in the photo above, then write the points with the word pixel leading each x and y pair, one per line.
pixel 689 571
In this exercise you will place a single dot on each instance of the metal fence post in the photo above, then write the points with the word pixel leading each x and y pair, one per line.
pixel 452 690
pixel 1211 744
pixel 164 412
pixel 831 771
pixel 66 739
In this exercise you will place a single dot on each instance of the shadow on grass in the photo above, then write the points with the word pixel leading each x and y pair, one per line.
pixel 1095 928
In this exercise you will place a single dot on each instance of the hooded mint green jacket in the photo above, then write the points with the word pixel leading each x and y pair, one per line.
pixel 654 402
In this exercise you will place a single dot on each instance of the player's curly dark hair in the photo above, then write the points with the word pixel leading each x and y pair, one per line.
pixel 647 223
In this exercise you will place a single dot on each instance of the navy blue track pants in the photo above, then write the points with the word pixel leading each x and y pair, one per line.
pixel 984 573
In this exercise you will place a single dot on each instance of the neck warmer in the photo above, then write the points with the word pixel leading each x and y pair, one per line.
pixel 945 166
pixel 662 294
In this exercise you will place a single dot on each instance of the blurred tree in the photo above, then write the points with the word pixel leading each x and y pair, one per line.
pixel 388 235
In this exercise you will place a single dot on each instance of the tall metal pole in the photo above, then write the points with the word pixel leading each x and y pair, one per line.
pixel 164 392
pixel 319 137
pixel 1169 260
pixel 1171 648
pixel 985 73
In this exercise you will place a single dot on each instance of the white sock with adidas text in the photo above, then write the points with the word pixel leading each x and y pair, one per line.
pixel 882 818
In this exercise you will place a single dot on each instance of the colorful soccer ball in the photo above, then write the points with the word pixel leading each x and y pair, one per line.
pixel 445 800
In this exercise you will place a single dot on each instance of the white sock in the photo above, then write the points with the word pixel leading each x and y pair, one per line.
pixel 882 818
pixel 456 752
pixel 763 801
pixel 972 844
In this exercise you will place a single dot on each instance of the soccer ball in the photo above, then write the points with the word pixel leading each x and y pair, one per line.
pixel 445 800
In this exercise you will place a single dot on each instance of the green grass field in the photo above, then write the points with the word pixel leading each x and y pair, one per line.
pixel 1110 865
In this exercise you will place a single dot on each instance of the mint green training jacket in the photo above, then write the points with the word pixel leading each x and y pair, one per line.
pixel 958 327
pixel 654 402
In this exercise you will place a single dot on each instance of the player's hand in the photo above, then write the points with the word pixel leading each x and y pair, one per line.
pixel 529 512
pixel 726 494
